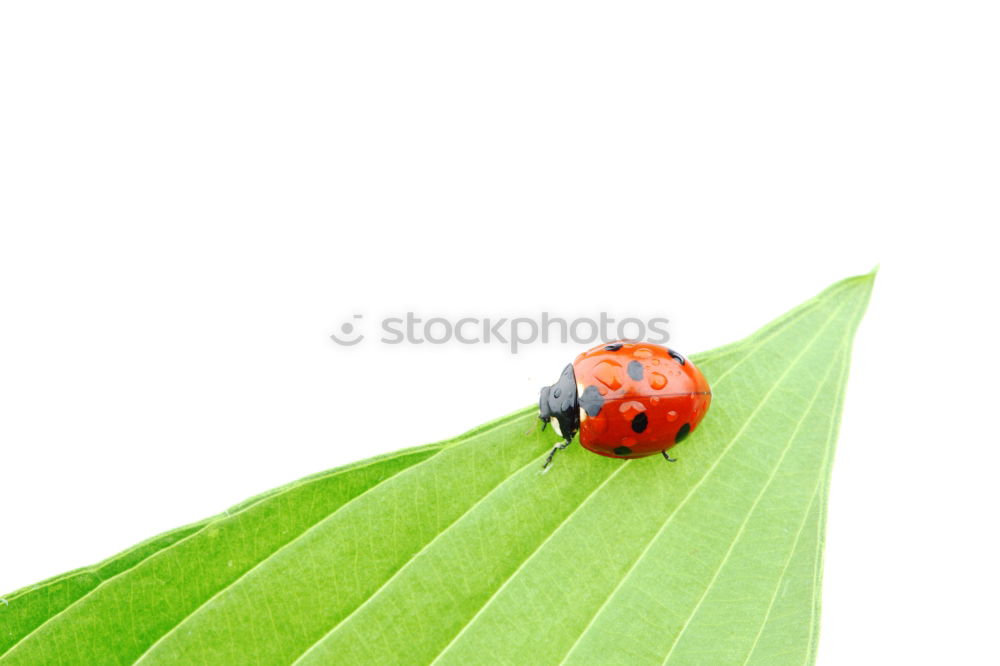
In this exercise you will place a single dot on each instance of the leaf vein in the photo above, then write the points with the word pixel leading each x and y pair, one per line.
pixel 416 555
pixel 753 507
pixel 701 481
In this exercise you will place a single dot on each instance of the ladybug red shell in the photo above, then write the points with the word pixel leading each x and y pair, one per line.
pixel 627 399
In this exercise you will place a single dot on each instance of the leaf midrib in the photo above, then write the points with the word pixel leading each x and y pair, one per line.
pixel 821 521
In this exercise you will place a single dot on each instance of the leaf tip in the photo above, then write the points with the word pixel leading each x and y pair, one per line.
pixel 864 280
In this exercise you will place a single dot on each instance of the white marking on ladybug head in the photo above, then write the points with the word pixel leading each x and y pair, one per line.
pixel 583 415
pixel 555 425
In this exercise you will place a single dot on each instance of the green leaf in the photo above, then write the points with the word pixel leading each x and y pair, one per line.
pixel 463 552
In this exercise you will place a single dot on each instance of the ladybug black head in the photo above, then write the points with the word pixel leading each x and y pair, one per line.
pixel 558 404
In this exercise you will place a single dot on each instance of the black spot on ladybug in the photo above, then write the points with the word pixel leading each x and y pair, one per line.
pixel 677 357
pixel 592 401
pixel 635 370
pixel 640 422
pixel 615 346
pixel 623 451
pixel 682 433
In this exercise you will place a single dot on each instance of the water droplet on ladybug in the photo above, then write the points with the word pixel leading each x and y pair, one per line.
pixel 607 372
pixel 656 381
pixel 671 415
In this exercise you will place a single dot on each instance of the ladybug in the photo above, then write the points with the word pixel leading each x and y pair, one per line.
pixel 627 399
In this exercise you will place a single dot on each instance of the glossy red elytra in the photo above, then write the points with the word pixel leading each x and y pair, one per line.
pixel 626 399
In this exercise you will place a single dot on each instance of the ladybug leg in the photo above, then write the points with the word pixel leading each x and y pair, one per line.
pixel 557 447
pixel 666 456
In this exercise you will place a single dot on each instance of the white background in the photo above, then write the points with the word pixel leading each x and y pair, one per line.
pixel 195 195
